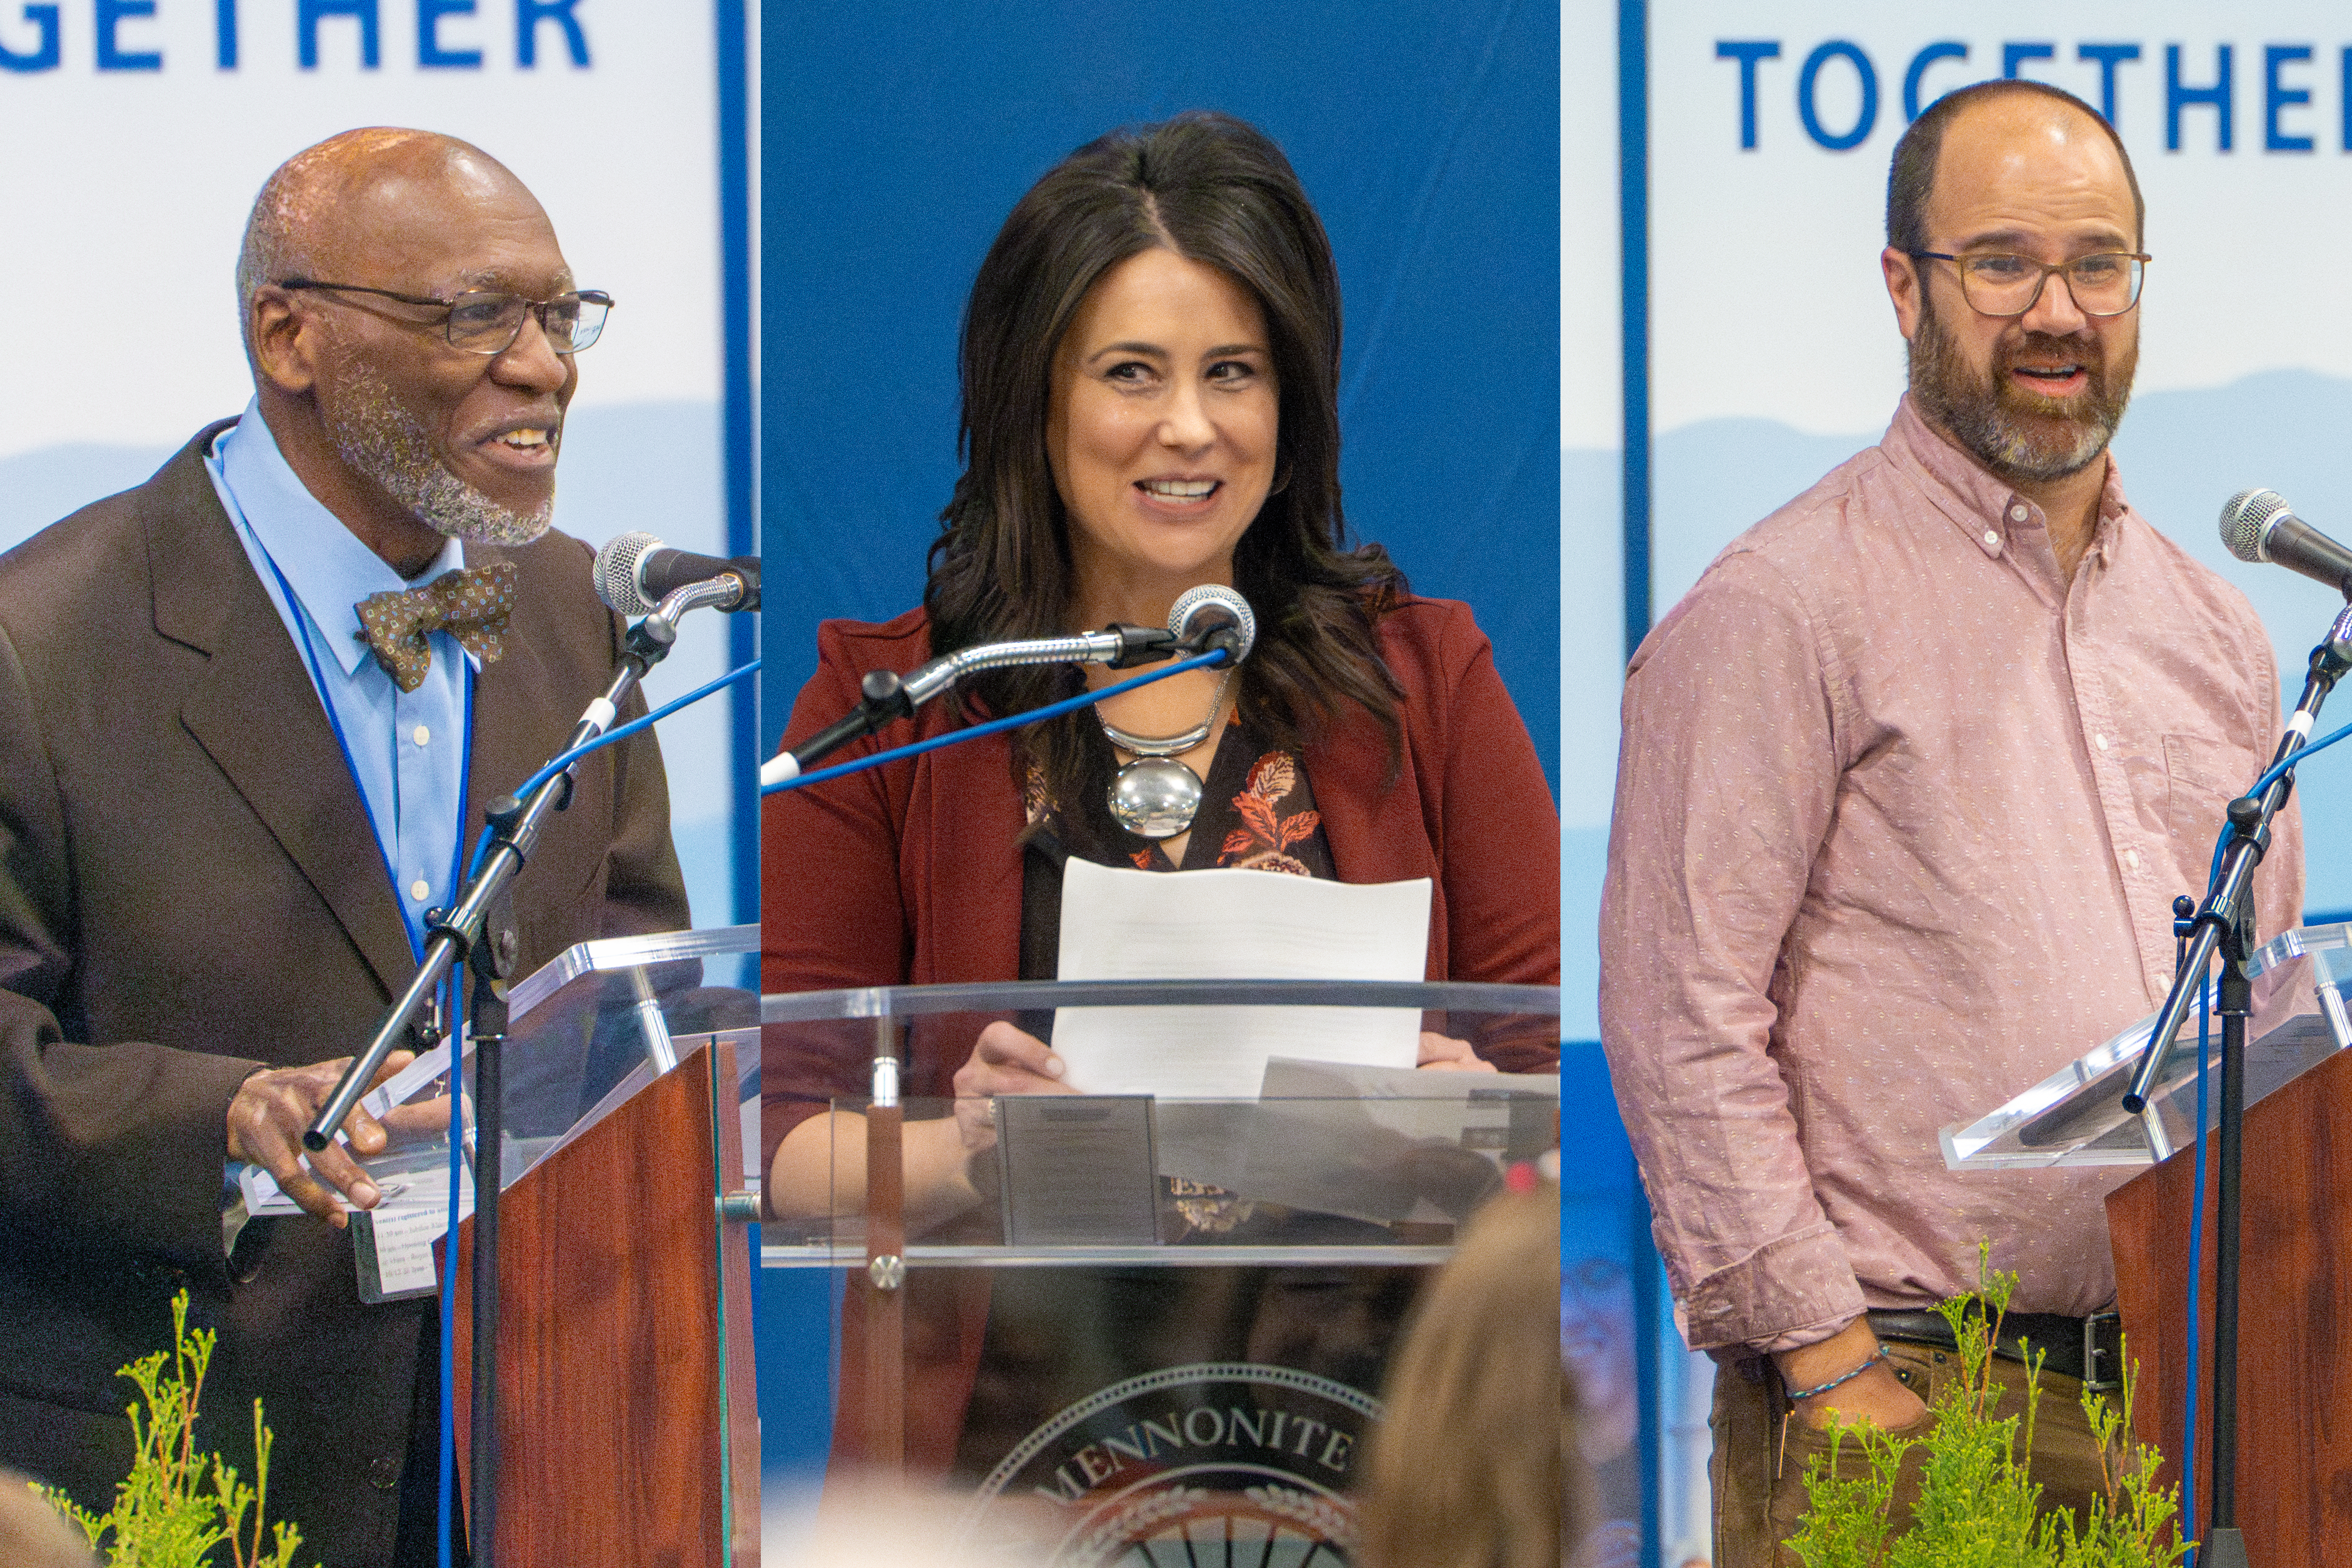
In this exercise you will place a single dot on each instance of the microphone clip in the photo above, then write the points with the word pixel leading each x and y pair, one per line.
pixel 883 697
pixel 2332 660
pixel 1224 639
pixel 1140 644
pixel 650 638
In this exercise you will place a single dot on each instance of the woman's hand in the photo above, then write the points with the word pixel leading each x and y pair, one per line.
pixel 1442 1053
pixel 1004 1061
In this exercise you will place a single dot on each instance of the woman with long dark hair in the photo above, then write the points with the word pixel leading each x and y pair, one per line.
pixel 1200 221
pixel 1149 366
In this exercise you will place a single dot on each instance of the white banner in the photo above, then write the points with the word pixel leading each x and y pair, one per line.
pixel 139 132
pixel 1775 354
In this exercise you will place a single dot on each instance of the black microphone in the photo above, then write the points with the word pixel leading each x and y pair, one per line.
pixel 2258 525
pixel 635 572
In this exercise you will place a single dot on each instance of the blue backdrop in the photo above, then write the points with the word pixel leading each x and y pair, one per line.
pixel 894 137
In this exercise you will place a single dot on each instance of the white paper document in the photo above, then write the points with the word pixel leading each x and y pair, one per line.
pixel 1380 1144
pixel 1119 924
pixel 396 1253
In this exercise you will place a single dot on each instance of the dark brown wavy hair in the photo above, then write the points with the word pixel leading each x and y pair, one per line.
pixel 1214 190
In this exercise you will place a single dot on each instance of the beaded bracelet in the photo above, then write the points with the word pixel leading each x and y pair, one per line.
pixel 1877 1354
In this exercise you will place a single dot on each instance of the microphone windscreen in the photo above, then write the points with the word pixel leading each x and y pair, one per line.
pixel 616 571
pixel 2246 522
pixel 1212 605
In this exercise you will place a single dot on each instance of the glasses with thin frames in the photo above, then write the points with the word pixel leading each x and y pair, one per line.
pixel 483 321
pixel 2106 284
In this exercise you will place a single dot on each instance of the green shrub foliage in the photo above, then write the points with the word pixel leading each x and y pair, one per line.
pixel 177 1505
pixel 1977 1505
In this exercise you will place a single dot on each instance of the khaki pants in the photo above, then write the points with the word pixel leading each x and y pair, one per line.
pixel 1759 1489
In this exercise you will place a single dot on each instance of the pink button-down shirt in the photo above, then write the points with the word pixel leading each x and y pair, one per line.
pixel 1900 816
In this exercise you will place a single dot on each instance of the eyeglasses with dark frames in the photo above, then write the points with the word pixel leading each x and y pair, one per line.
pixel 1997 284
pixel 484 322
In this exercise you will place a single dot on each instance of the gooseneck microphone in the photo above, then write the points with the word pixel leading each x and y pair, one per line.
pixel 1213 616
pixel 635 572
pixel 1203 620
pixel 2258 525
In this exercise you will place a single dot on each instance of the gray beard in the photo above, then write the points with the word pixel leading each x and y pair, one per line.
pixel 378 436
pixel 1976 415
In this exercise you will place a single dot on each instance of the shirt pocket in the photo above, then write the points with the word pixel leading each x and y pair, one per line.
pixel 2201 777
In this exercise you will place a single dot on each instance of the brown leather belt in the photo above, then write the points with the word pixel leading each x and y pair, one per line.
pixel 2090 1349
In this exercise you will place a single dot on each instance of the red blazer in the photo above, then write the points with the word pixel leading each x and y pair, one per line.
pixel 911 874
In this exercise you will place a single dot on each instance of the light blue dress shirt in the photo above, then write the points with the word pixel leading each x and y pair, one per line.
pixel 406 750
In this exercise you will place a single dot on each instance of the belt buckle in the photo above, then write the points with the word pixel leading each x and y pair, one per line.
pixel 2102 1367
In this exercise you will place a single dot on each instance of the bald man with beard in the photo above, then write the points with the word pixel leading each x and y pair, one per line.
pixel 224 816
pixel 1909 781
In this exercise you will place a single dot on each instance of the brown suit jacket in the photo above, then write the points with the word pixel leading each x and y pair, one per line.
pixel 189 889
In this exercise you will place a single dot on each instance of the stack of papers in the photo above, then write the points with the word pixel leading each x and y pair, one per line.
pixel 1231 924
pixel 260 1190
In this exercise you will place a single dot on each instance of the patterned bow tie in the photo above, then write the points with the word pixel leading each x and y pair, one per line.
pixel 472 606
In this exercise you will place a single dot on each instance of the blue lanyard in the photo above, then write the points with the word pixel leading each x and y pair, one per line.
pixel 409 923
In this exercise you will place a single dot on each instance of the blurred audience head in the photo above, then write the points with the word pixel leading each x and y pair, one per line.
pixel 878 1520
pixel 35 1535
pixel 1467 1468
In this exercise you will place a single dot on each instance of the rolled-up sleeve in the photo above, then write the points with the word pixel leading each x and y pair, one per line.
pixel 1726 781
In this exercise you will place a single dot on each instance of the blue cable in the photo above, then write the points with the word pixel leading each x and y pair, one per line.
pixel 2196 1287
pixel 2229 832
pixel 2291 758
pixel 457 1079
pixel 482 845
pixel 449 1434
pixel 993 726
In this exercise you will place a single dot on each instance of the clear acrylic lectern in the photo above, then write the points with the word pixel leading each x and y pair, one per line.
pixel 1151 1320
pixel 2075 1116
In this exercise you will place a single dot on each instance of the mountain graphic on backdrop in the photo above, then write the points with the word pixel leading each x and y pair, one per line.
pixel 2183 454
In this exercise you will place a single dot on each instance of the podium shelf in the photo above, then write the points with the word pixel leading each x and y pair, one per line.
pixel 1213 1122
pixel 1018 996
pixel 837 1254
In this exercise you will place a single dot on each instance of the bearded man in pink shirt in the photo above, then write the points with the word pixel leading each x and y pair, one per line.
pixel 1908 783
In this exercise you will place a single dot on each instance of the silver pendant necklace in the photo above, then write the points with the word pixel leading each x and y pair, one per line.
pixel 1156 797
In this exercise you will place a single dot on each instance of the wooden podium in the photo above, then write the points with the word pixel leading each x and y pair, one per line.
pixel 2293 1479
pixel 2294 1324
pixel 628 1421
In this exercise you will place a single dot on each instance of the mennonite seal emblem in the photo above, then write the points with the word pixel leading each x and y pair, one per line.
pixel 1217 1465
